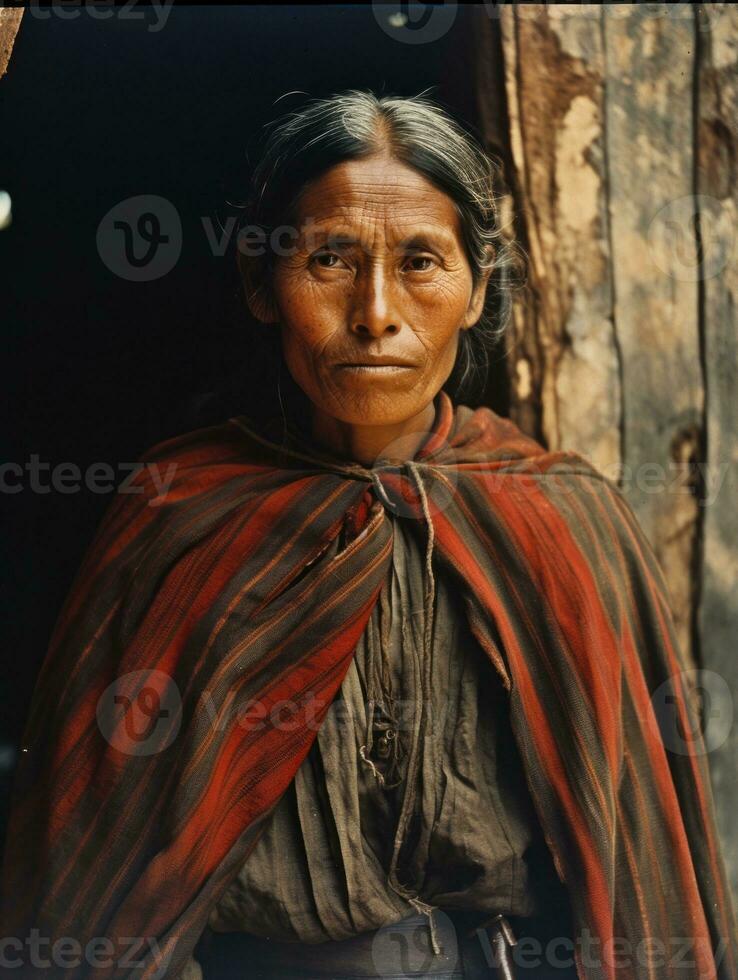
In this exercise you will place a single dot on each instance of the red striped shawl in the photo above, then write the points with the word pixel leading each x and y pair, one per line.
pixel 217 593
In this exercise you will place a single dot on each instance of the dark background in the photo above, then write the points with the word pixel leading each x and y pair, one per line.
pixel 98 368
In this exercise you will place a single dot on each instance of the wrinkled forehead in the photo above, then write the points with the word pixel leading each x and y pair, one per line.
pixel 364 231
pixel 378 198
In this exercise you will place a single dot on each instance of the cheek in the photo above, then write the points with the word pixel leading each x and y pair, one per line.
pixel 440 314
pixel 301 351
pixel 309 318
pixel 296 298
pixel 446 299
pixel 306 331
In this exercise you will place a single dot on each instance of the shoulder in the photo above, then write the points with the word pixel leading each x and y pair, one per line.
pixel 198 446
pixel 195 462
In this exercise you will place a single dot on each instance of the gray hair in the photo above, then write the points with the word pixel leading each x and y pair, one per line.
pixel 303 144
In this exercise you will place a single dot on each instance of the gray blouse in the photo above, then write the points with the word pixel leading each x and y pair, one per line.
pixel 321 869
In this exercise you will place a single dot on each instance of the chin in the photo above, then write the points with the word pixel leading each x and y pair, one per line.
pixel 379 408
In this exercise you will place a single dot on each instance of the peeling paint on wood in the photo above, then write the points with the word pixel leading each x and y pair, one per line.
pixel 10 18
pixel 554 83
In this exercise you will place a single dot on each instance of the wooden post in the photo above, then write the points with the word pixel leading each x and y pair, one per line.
pixel 622 142
pixel 717 187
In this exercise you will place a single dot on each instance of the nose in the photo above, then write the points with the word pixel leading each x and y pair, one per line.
pixel 374 311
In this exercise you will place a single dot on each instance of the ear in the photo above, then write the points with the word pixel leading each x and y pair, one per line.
pixel 256 288
pixel 476 301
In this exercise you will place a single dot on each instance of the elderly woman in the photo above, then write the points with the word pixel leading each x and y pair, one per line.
pixel 379 687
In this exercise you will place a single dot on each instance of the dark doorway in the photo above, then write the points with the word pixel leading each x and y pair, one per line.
pixel 98 368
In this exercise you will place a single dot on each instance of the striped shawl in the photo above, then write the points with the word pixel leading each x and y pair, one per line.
pixel 206 636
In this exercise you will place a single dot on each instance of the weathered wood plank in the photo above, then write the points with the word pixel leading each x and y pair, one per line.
pixel 650 64
pixel 563 354
pixel 600 112
pixel 717 185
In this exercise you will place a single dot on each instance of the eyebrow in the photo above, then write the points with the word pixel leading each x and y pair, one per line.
pixel 419 237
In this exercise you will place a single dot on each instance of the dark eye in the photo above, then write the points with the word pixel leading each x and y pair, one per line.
pixel 322 259
pixel 414 261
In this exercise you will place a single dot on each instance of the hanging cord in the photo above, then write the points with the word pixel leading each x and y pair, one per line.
pixel 381 702
pixel 374 700
pixel 422 672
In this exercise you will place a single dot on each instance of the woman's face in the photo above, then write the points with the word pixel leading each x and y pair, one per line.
pixel 377 272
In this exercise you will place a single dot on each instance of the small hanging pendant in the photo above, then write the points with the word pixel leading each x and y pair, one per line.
pixel 386 747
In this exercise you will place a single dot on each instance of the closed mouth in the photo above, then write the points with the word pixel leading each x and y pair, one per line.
pixel 374 366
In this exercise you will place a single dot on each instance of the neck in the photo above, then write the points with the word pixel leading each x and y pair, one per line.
pixel 365 443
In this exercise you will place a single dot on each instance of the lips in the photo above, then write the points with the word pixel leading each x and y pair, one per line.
pixel 377 362
pixel 375 370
